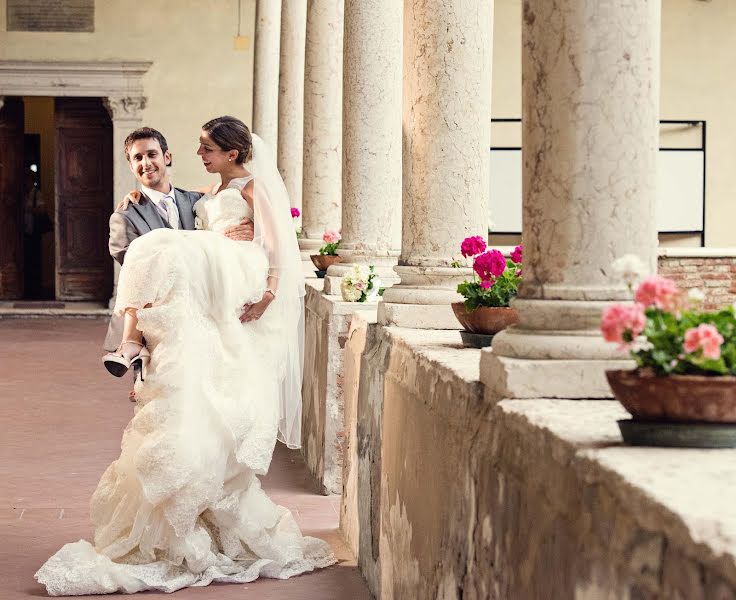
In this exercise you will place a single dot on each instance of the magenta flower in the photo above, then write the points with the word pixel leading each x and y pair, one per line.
pixel 489 265
pixel 704 336
pixel 295 214
pixel 331 237
pixel 486 284
pixel 621 319
pixel 472 245
pixel 659 292
pixel 516 254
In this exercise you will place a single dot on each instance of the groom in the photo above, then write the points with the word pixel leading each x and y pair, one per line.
pixel 160 205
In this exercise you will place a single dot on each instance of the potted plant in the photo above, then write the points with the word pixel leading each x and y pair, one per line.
pixel 361 285
pixel 685 365
pixel 495 282
pixel 328 252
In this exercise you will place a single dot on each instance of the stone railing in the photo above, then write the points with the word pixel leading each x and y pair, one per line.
pixel 447 495
pixel 327 321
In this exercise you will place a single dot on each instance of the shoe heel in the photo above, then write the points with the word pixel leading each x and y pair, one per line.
pixel 140 363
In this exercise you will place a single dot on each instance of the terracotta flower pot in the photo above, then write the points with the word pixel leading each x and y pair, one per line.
pixel 323 261
pixel 485 319
pixel 676 398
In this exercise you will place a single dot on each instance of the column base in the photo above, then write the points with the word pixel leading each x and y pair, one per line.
pixel 308 247
pixel 508 378
pixel 417 316
pixel 421 300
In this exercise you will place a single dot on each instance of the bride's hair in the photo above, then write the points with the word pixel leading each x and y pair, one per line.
pixel 230 133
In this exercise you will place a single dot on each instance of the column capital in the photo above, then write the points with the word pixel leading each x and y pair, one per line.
pixel 125 108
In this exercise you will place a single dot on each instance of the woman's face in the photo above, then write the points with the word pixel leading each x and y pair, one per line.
pixel 214 158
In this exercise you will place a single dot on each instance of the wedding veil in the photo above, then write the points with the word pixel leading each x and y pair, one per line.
pixel 274 231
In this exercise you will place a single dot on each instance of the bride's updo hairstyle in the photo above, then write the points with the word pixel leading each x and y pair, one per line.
pixel 230 133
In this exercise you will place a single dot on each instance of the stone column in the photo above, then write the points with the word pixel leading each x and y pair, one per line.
pixel 371 187
pixel 291 97
pixel 126 115
pixel 322 183
pixel 446 157
pixel 266 72
pixel 590 139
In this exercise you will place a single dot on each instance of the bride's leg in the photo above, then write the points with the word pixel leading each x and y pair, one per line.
pixel 132 338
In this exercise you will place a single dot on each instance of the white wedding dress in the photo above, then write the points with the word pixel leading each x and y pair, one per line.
pixel 183 505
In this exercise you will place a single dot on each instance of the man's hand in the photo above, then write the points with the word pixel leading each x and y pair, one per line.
pixel 134 197
pixel 242 232
pixel 253 312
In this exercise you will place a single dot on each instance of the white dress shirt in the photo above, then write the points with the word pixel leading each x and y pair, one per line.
pixel 165 204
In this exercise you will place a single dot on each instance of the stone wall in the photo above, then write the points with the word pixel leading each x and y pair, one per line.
pixel 327 321
pixel 450 496
pixel 711 270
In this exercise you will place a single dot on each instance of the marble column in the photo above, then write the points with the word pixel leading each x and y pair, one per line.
pixel 266 72
pixel 446 157
pixel 290 152
pixel 322 182
pixel 371 157
pixel 126 114
pixel 590 139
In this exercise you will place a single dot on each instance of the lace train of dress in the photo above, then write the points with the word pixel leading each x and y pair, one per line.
pixel 183 506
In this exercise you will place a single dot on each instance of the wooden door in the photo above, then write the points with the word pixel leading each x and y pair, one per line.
pixel 11 199
pixel 83 199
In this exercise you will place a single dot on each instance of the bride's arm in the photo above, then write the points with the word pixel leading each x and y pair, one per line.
pixel 270 245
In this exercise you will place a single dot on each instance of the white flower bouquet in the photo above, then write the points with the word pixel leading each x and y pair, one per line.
pixel 361 285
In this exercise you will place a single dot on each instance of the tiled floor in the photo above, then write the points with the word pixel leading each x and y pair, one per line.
pixel 61 417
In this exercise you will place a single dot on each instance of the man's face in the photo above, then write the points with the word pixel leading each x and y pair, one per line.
pixel 148 163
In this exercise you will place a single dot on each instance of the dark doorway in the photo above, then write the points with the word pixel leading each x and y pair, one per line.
pixel 11 199
pixel 55 198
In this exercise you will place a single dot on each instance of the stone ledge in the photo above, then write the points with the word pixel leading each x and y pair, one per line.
pixel 440 349
pixel 696 252
pixel 688 496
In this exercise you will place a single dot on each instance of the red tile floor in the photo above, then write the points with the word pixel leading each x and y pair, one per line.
pixel 61 418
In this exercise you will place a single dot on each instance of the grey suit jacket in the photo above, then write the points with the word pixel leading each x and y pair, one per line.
pixel 138 219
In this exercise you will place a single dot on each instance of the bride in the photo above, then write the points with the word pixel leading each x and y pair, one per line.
pixel 183 505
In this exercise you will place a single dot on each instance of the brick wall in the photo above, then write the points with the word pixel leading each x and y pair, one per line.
pixel 713 275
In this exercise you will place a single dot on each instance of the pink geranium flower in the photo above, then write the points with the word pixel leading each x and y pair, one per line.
pixel 516 254
pixel 295 214
pixel 331 237
pixel 659 292
pixel 489 264
pixel 705 337
pixel 622 323
pixel 472 245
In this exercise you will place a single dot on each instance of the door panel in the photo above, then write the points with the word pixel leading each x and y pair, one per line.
pixel 11 199
pixel 84 192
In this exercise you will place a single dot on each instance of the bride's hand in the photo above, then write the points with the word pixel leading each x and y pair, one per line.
pixel 253 312
pixel 134 197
